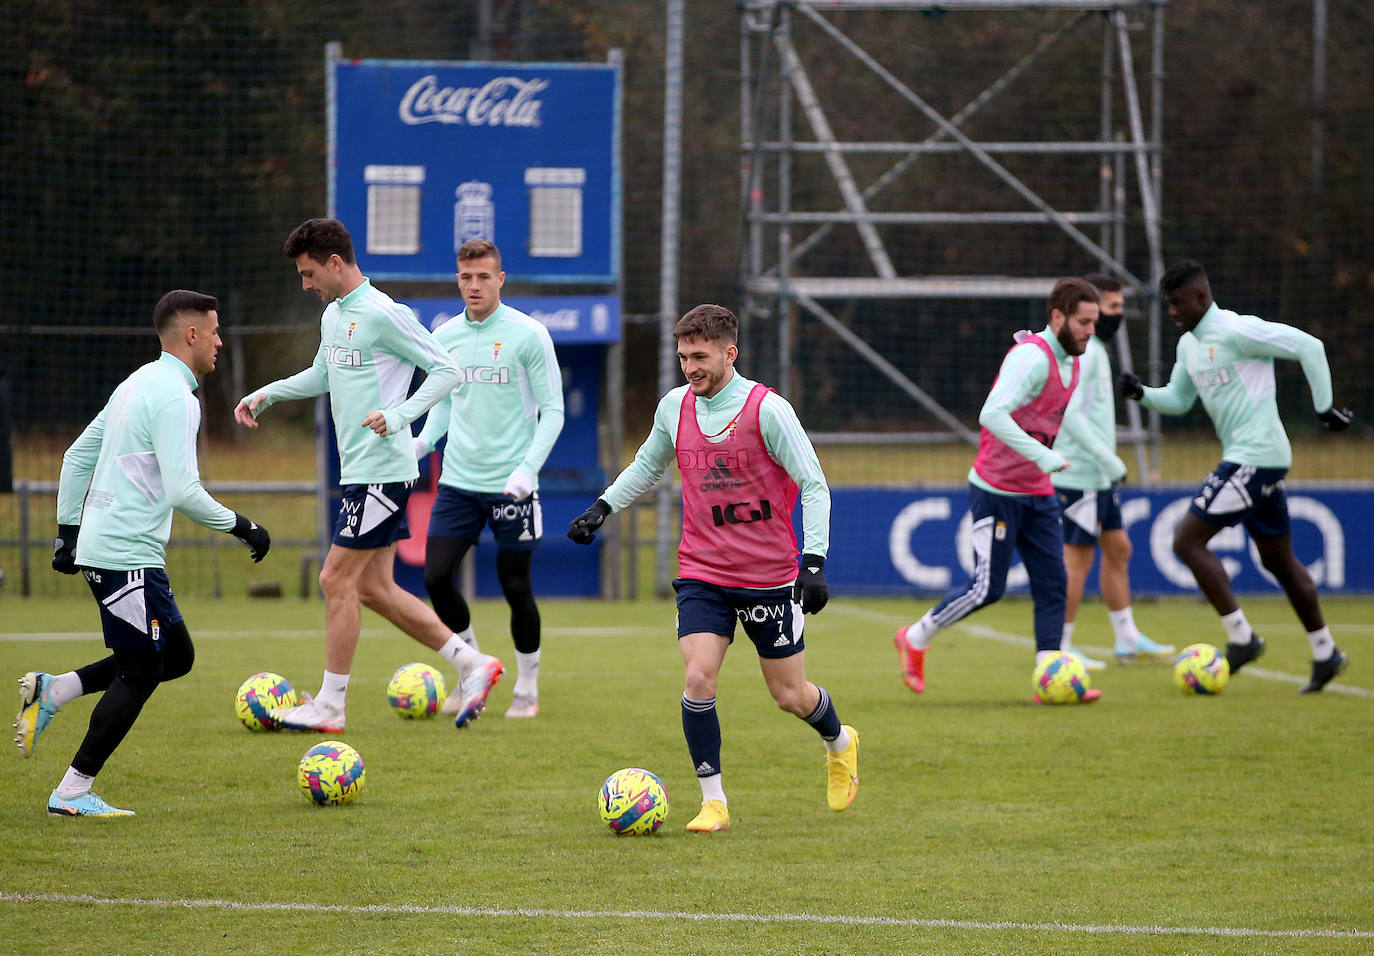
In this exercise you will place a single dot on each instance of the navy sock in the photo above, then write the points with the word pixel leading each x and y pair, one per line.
pixel 824 718
pixel 701 727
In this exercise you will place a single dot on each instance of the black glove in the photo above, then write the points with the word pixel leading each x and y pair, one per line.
pixel 1128 386
pixel 1336 419
pixel 252 534
pixel 811 591
pixel 582 529
pixel 64 549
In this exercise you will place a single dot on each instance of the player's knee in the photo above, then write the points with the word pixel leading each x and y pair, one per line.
pixel 1184 549
pixel 792 700
pixel 140 678
pixel 1282 564
pixel 513 573
pixel 699 684
pixel 438 580
pixel 179 656
pixel 1116 549
pixel 517 587
pixel 1187 544
pixel 373 596
pixel 1055 583
pixel 994 593
pixel 332 582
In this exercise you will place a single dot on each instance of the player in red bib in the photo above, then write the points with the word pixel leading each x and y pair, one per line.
pixel 743 456
pixel 1011 497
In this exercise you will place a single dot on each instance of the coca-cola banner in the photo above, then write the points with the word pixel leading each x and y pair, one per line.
pixel 428 155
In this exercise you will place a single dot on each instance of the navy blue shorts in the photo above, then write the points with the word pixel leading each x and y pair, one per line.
pixel 770 617
pixel 1089 513
pixel 372 516
pixel 1243 494
pixel 134 606
pixel 517 525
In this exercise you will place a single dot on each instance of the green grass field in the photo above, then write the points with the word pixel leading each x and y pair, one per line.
pixel 1148 823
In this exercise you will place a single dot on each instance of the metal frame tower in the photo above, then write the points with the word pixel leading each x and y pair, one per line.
pixel 776 87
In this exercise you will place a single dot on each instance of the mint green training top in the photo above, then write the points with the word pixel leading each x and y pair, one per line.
pixel 370 346
pixel 134 463
pixel 1228 361
pixel 507 411
pixel 1087 436
pixel 783 436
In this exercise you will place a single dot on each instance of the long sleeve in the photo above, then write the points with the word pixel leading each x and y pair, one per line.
pixel 436 424
pixel 1176 397
pixel 652 459
pixel 173 432
pixel 546 381
pixel 790 447
pixel 78 465
pixel 1077 427
pixel 304 384
pixel 1276 340
pixel 408 340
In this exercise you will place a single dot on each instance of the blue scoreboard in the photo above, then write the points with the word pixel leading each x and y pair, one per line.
pixel 424 156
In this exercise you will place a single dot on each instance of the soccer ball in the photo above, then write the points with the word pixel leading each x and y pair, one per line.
pixel 416 690
pixel 331 773
pixel 1201 669
pixel 633 802
pixel 259 694
pixel 1060 679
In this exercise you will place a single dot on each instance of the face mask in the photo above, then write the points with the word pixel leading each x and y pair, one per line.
pixel 1107 326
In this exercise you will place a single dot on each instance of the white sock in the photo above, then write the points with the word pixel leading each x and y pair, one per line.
pixel 74 784
pixel 1066 642
pixel 711 788
pixel 333 690
pixel 469 637
pixel 1041 655
pixel 1123 625
pixel 1323 644
pixel 1237 627
pixel 919 633
pixel 64 689
pixel 527 673
pixel 459 653
pixel 838 744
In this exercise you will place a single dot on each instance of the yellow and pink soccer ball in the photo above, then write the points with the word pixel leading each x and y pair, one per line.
pixel 416 690
pixel 633 802
pixel 260 694
pixel 331 773
pixel 1060 678
pixel 1201 669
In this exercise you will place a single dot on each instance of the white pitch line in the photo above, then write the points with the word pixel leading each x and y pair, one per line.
pixel 196 635
pixel 499 912
pixel 1021 640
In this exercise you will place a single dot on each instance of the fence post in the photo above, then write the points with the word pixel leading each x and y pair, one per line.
pixel 22 487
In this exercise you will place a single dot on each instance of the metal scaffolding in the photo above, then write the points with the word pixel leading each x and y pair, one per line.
pixel 779 97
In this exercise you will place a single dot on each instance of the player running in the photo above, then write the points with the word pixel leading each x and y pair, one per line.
pixel 1011 498
pixel 121 479
pixel 1227 360
pixel 742 454
pixel 369 349
pixel 501 424
pixel 1087 491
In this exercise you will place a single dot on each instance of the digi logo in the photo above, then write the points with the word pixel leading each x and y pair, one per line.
pixel 722 515
pixel 485 375
pixel 338 355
